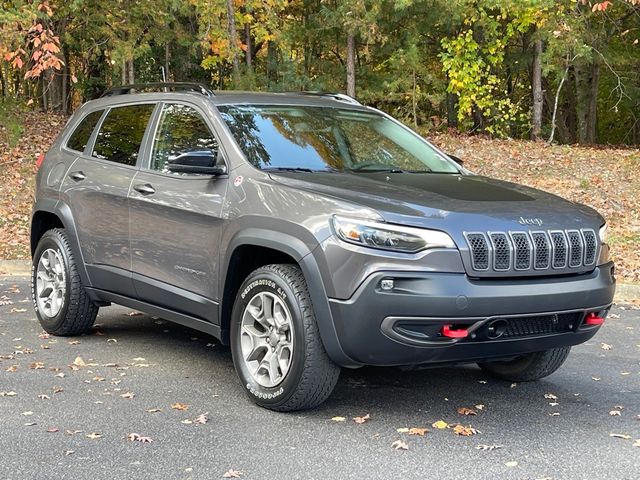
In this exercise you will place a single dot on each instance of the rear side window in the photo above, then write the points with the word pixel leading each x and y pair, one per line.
pixel 121 134
pixel 80 136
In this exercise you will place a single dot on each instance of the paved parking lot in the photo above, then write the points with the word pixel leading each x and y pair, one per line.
pixel 72 421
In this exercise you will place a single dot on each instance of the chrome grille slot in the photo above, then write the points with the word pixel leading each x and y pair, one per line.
pixel 559 244
pixel 501 251
pixel 541 250
pixel 522 250
pixel 590 246
pixel 575 248
pixel 479 250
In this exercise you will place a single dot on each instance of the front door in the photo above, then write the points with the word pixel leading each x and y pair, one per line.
pixel 96 190
pixel 176 219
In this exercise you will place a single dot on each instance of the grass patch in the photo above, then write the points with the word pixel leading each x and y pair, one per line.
pixel 11 122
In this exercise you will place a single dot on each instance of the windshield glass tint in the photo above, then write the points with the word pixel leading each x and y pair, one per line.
pixel 326 138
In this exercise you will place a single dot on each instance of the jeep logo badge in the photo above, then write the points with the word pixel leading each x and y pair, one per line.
pixel 530 221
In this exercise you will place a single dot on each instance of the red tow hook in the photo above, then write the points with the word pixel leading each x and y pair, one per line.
pixel 449 333
pixel 593 319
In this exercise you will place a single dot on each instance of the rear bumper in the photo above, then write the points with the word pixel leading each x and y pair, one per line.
pixel 402 326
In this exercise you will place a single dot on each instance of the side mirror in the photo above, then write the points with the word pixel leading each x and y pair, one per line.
pixel 458 160
pixel 199 161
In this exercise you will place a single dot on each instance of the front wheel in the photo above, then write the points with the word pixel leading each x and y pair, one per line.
pixel 62 305
pixel 529 367
pixel 275 343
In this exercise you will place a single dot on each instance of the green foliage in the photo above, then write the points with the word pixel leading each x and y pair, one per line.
pixel 433 63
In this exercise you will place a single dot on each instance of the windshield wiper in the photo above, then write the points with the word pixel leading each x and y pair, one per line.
pixel 377 170
pixel 300 169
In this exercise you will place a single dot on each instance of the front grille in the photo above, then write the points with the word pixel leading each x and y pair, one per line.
pixel 519 252
pixel 540 325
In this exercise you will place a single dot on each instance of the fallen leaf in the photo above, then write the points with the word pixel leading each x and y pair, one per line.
pixel 43 396
pixel 488 448
pixel 511 464
pixel 60 375
pixel 402 430
pixel 615 413
pixel 595 379
pixel 8 394
pixel 620 435
pixel 201 419
pixel 232 474
pixel 637 443
pixel 128 395
pixel 400 445
pixel 134 437
pixel 605 346
pixel 112 340
pixel 134 314
pixel 338 419
pixel 73 342
pixel 179 406
pixel 440 425
pixel 465 431
pixel 36 366
pixel 513 385
pixel 11 368
pixel 466 411
pixel 79 362
pixel 58 389
pixel 479 407
pixel 554 414
pixel 418 431
pixel 52 430
pixel 361 420
pixel 69 452
pixel 550 396
pixel 27 414
pixel 154 410
pixel 93 435
pixel 30 424
pixel 72 432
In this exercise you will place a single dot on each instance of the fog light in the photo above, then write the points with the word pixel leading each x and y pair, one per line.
pixel 387 284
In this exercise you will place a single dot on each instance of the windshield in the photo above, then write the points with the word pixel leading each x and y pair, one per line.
pixel 305 138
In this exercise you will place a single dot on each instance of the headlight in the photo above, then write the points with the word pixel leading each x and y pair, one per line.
pixel 604 233
pixel 389 237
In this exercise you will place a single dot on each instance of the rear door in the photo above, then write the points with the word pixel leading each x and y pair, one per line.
pixel 96 190
pixel 176 218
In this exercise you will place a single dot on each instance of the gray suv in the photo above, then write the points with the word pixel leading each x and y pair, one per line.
pixel 309 233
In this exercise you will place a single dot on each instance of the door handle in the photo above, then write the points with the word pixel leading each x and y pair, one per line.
pixel 144 188
pixel 77 176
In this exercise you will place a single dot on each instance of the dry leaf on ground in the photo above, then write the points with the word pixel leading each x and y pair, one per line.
pixel 400 445
pixel 361 420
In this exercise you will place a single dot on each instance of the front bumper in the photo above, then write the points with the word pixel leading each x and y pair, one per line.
pixel 402 326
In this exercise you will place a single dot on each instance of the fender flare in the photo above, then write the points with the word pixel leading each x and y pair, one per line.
pixel 301 253
pixel 63 212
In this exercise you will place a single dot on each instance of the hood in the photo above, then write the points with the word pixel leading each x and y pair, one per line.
pixel 470 202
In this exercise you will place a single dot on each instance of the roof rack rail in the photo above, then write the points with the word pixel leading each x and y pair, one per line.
pixel 158 87
pixel 336 96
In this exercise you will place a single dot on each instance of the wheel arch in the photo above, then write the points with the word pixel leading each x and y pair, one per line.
pixel 254 248
pixel 48 214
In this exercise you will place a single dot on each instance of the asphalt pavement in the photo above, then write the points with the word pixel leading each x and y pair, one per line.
pixel 136 374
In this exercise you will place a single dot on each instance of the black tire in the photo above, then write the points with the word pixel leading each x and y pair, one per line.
pixel 312 376
pixel 78 312
pixel 528 368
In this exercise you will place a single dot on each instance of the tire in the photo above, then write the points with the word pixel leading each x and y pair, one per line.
pixel 310 376
pixel 74 313
pixel 528 368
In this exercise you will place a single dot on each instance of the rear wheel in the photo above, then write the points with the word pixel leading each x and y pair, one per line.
pixel 59 298
pixel 529 367
pixel 275 342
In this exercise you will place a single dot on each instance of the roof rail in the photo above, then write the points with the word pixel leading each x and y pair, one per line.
pixel 341 97
pixel 158 87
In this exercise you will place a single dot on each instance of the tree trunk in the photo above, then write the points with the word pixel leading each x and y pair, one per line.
pixel 167 61
pixel 586 87
pixel 272 61
pixel 249 53
pixel 351 65
pixel 123 73
pixel 536 87
pixel 131 77
pixel 233 40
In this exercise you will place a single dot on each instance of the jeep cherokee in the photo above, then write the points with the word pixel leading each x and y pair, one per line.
pixel 309 233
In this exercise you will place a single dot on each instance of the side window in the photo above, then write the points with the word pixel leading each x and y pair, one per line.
pixel 181 130
pixel 121 133
pixel 80 136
